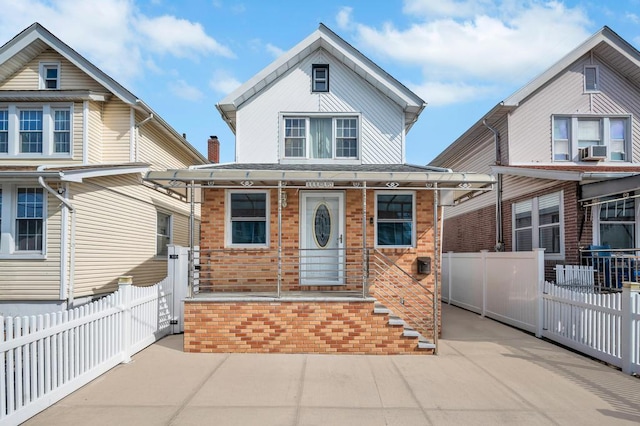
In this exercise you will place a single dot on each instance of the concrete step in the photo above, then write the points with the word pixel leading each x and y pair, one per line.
pixel 410 332
pixel 379 308
pixel 425 344
pixel 394 320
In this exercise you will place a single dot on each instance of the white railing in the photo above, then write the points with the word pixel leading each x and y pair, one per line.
pixel 510 288
pixel 44 358
pixel 605 326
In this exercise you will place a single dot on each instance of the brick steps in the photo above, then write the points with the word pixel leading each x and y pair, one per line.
pixel 423 343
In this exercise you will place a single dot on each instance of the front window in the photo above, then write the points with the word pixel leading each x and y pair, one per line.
pixel 323 138
pixel 29 219
pixel 537 224
pixel 395 219
pixel 573 137
pixel 36 130
pixel 320 78
pixel 247 223
pixel 50 76
pixel 617 222
pixel 31 131
pixel 163 233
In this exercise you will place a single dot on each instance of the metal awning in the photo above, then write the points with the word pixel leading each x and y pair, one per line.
pixel 319 177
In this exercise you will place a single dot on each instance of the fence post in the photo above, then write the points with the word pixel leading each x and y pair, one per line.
pixel 483 254
pixel 450 257
pixel 124 290
pixel 629 338
pixel 540 282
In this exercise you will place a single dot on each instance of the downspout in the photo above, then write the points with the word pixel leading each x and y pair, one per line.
pixel 499 233
pixel 72 242
pixel 137 126
pixel 436 266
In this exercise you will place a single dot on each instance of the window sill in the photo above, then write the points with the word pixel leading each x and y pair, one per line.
pixel 315 161
pixel 247 247
pixel 23 256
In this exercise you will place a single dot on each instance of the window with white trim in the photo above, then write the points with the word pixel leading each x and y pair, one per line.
pixel 537 223
pixel 49 75
pixel 22 220
pixel 163 233
pixel 36 130
pixel 321 137
pixel 617 222
pixel 247 218
pixel 573 133
pixel 591 78
pixel 320 78
pixel 395 219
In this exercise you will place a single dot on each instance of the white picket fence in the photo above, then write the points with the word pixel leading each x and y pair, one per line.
pixel 44 358
pixel 510 288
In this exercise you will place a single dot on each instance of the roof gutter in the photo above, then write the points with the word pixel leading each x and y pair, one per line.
pixel 72 242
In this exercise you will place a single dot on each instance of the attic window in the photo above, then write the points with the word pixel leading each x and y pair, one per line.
pixel 320 74
pixel 591 79
pixel 49 76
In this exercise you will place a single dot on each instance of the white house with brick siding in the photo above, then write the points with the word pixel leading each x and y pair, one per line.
pixel 74 211
pixel 319 237
pixel 565 150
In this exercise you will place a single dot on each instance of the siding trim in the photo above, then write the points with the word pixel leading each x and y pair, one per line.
pixel 85 132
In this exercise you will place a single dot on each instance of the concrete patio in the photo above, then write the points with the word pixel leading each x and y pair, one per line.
pixel 486 373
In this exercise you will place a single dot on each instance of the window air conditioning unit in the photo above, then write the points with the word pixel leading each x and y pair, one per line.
pixel 593 153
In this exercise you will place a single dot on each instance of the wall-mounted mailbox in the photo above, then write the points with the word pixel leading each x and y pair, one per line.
pixel 424 265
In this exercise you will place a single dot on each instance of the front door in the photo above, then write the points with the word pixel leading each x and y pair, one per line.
pixel 322 238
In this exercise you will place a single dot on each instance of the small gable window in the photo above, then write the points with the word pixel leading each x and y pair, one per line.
pixel 591 79
pixel 49 76
pixel 320 78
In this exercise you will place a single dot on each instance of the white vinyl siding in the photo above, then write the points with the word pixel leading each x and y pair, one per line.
pixel 381 121
pixel 116 132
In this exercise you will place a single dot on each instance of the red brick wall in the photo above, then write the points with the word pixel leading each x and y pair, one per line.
pixel 292 327
pixel 470 232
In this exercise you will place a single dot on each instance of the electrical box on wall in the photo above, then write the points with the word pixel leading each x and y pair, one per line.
pixel 424 265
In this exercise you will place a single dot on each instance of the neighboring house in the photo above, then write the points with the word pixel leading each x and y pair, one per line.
pixel 75 214
pixel 565 149
pixel 319 216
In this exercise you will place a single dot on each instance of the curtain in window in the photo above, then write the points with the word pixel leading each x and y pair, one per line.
pixel 588 133
pixel 320 130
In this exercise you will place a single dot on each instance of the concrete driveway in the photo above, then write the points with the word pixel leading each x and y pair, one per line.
pixel 486 374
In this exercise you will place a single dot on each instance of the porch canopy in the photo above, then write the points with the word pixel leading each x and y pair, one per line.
pixel 459 186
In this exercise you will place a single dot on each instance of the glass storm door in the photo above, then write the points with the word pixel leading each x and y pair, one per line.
pixel 322 238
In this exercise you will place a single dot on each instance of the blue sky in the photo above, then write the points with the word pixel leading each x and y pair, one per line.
pixel 462 57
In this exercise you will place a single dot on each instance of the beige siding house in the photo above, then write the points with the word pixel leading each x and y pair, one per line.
pixel 75 213
pixel 565 150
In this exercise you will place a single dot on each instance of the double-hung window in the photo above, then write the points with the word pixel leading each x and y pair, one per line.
pixel 617 222
pixel 395 219
pixel 321 137
pixel 49 75
pixel 247 221
pixel 320 78
pixel 590 78
pixel 537 223
pixel 163 233
pixel 30 130
pixel 572 135
pixel 22 220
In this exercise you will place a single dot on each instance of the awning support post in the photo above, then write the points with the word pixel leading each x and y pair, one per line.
pixel 365 253
pixel 279 237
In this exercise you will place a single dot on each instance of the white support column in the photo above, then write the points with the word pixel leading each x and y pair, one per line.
pixel 279 237
pixel 365 254
pixel 483 254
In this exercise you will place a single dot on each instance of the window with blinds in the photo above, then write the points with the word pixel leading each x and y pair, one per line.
pixel 537 223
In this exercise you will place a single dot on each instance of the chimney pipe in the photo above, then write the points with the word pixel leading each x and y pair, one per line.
pixel 213 149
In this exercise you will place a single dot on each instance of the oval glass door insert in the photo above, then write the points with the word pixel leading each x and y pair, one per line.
pixel 322 225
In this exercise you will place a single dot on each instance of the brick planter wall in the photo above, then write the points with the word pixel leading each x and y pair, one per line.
pixel 293 327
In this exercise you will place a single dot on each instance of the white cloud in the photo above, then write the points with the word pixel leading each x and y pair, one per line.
pixel 274 50
pixel 116 38
pixel 440 94
pixel 223 82
pixel 179 37
pixel 512 45
pixel 344 17
pixel 184 90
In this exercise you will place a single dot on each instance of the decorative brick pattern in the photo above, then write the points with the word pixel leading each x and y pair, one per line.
pixel 293 327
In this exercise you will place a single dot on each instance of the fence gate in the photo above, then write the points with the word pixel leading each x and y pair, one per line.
pixel 178 274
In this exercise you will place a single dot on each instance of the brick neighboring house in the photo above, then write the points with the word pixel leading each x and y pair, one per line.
pixel 565 150
pixel 319 218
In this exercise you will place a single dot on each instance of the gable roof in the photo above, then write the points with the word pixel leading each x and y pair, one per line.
pixel 33 40
pixel 324 38
pixel 605 43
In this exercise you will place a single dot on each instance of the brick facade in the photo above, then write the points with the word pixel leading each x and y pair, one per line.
pixel 475 231
pixel 293 327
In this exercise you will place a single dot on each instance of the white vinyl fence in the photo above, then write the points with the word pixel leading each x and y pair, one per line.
pixel 46 357
pixel 510 288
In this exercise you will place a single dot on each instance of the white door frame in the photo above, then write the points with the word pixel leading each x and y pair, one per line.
pixel 303 243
